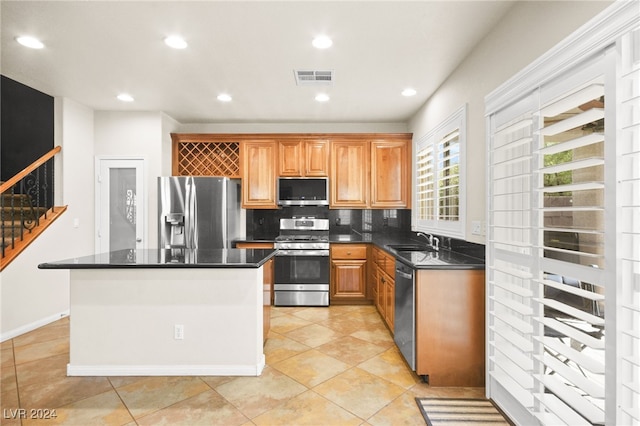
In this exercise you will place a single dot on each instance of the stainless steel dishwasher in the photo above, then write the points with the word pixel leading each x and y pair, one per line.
pixel 405 313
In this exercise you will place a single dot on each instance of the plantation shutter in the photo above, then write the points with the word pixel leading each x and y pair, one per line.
pixel 425 182
pixel 563 241
pixel 572 142
pixel 448 181
pixel 510 266
pixel 439 178
pixel 628 208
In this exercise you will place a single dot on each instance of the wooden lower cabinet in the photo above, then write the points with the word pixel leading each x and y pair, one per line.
pixel 385 283
pixel 450 327
pixel 348 274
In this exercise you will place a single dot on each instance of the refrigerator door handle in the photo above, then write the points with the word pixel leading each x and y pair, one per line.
pixel 193 208
pixel 187 214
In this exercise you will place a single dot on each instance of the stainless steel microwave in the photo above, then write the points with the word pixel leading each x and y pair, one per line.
pixel 301 191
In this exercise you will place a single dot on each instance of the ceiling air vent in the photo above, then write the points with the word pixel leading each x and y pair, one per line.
pixel 310 77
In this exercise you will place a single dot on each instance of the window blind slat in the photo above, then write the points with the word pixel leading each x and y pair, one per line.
pixel 573 100
pixel 587 140
pixel 582 186
pixel 568 352
pixel 569 310
pixel 524 344
pixel 573 290
pixel 575 377
pixel 513 370
pixel 508 319
pixel 593 414
pixel 573 165
pixel 561 412
pixel 573 333
pixel 578 120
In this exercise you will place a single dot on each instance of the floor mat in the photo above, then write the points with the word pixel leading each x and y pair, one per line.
pixel 465 412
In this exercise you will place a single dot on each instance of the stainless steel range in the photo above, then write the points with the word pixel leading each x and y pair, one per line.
pixel 302 262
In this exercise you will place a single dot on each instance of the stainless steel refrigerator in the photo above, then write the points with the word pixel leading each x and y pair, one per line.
pixel 199 212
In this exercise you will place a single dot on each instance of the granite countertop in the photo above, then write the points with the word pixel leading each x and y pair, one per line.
pixel 428 259
pixel 170 258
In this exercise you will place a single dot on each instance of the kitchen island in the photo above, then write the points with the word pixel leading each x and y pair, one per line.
pixel 167 312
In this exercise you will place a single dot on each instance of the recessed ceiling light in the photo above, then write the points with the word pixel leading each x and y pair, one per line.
pixel 322 42
pixel 224 97
pixel 176 42
pixel 409 92
pixel 322 97
pixel 125 97
pixel 29 41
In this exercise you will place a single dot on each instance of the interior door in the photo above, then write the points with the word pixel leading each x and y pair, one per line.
pixel 120 207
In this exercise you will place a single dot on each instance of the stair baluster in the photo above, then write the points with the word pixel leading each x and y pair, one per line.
pixel 24 201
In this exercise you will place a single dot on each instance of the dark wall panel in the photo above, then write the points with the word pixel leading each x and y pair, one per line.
pixel 27 126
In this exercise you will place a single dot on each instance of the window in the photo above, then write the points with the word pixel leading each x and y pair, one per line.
pixel 439 178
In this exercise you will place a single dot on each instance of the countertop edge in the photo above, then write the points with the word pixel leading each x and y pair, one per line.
pixel 265 259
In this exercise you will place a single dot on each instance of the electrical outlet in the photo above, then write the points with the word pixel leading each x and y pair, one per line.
pixel 178 331
pixel 476 227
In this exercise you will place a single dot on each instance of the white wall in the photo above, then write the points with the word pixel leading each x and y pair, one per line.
pixel 528 30
pixel 136 135
pixel 32 297
pixel 292 128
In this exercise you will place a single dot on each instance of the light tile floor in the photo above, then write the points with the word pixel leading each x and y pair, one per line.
pixel 325 366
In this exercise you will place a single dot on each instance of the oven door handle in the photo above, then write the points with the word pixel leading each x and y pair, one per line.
pixel 282 252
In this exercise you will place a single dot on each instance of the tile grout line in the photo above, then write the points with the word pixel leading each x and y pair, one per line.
pixel 121 400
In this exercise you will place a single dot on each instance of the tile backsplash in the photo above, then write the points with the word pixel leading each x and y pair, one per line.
pixel 264 224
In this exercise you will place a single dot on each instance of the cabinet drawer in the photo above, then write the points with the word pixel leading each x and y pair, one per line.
pixel 250 245
pixel 390 265
pixel 385 261
pixel 349 251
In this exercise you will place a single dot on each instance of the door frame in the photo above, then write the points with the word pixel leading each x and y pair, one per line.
pixel 141 196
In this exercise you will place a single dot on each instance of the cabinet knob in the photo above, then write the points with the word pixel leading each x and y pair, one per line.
pixel 348 253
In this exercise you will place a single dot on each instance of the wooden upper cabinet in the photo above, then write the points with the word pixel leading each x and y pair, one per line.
pixel 303 158
pixel 258 168
pixel 317 158
pixel 290 158
pixel 390 173
pixel 349 174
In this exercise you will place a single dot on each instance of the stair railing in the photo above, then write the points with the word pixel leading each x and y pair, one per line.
pixel 25 198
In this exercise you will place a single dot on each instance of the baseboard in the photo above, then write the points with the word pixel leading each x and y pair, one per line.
pixel 166 370
pixel 32 326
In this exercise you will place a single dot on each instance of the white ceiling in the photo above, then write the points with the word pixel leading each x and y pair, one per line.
pixel 96 50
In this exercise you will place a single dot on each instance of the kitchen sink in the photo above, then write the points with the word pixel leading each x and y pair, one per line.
pixel 409 247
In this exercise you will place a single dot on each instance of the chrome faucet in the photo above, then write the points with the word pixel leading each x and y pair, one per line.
pixel 434 242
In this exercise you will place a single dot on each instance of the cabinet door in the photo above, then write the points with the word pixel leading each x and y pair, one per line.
pixel 348 279
pixel 452 351
pixel 291 157
pixel 389 301
pixel 259 174
pixel 349 174
pixel 390 165
pixel 381 292
pixel 316 158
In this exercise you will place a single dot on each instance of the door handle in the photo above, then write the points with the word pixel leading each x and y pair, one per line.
pixel 138 240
